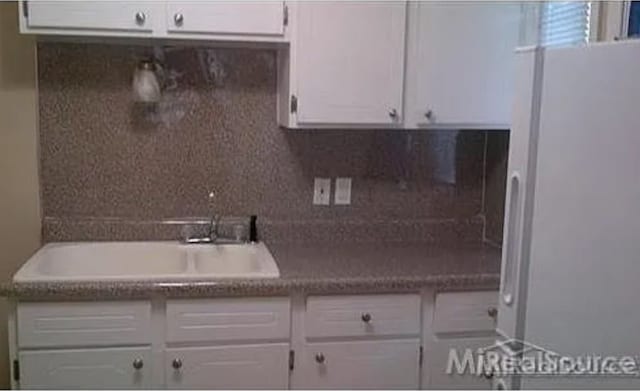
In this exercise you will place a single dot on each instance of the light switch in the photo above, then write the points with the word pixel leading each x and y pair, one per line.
pixel 321 191
pixel 343 191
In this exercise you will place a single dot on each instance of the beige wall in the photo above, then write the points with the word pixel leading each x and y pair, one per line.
pixel 19 207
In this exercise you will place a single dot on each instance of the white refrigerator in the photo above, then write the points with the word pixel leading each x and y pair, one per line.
pixel 570 283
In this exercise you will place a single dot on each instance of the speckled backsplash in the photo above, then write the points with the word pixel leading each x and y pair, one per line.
pixel 112 169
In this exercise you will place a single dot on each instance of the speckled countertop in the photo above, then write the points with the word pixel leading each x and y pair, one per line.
pixel 318 269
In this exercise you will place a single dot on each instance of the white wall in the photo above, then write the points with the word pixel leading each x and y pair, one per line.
pixel 19 194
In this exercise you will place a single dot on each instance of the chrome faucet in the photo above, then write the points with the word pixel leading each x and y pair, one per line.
pixel 213 235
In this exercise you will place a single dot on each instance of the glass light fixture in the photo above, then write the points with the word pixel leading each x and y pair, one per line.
pixel 146 86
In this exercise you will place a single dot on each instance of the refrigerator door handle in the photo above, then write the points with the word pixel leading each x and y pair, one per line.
pixel 511 239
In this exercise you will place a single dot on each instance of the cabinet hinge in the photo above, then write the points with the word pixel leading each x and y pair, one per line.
pixel 25 8
pixel 285 16
pixel 16 370
pixel 294 104
pixel 420 356
pixel 292 359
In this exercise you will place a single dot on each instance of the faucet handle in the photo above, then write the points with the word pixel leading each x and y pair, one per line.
pixel 211 196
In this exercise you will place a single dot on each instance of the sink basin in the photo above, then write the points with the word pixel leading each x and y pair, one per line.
pixel 104 261
pixel 121 261
pixel 236 261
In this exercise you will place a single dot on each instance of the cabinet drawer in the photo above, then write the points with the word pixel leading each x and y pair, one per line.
pixel 458 312
pixel 226 17
pixel 83 324
pixel 228 319
pixel 133 16
pixel 115 368
pixel 352 316
pixel 228 367
pixel 389 364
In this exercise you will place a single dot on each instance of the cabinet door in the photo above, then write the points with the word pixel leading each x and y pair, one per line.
pixel 114 368
pixel 105 16
pixel 228 367
pixel 226 17
pixel 461 64
pixel 437 361
pixel 349 62
pixel 359 365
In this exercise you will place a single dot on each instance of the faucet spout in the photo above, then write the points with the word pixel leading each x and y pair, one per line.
pixel 213 227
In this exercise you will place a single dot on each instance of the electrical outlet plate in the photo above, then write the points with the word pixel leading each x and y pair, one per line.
pixel 321 191
pixel 343 191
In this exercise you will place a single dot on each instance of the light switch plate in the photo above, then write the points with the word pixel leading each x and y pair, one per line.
pixel 343 191
pixel 321 191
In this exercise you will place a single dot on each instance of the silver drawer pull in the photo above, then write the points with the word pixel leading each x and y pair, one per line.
pixel 140 18
pixel 366 317
pixel 177 363
pixel 428 114
pixel 320 358
pixel 492 312
pixel 138 364
pixel 178 19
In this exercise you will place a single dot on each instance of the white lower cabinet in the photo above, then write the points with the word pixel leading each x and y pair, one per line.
pixel 359 342
pixel 376 341
pixel 360 365
pixel 443 367
pixel 462 323
pixel 110 368
pixel 228 367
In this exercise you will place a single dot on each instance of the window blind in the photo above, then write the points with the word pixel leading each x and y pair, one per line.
pixel 565 23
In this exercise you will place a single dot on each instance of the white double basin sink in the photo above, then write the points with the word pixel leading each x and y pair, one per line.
pixel 121 261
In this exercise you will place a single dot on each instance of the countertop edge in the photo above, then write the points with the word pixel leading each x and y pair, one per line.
pixel 233 288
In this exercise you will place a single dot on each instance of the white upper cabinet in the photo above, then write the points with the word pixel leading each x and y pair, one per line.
pixel 264 18
pixel 345 66
pixel 212 20
pixel 348 64
pixel 460 64
pixel 89 17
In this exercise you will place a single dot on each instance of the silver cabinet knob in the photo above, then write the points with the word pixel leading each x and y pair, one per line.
pixel 140 18
pixel 178 19
pixel 366 317
pixel 492 312
pixel 428 114
pixel 320 358
pixel 393 113
pixel 177 363
pixel 138 363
